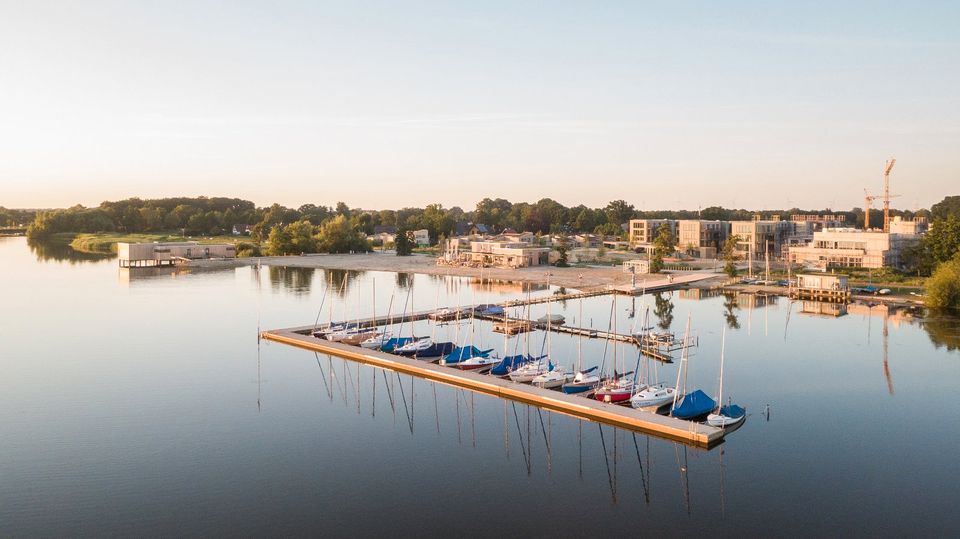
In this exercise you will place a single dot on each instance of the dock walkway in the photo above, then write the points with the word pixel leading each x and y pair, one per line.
pixel 573 405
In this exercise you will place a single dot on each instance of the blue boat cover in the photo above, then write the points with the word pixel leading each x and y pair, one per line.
pixel 732 411
pixel 395 342
pixel 510 363
pixel 493 310
pixel 693 405
pixel 436 349
pixel 463 353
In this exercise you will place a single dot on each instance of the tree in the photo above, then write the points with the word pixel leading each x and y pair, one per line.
pixel 940 244
pixel 946 207
pixel 943 287
pixel 301 235
pixel 562 248
pixel 619 212
pixel 730 255
pixel 404 242
pixel 278 241
pixel 338 236
pixel 663 245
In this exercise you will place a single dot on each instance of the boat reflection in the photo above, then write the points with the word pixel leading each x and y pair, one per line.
pixel 616 460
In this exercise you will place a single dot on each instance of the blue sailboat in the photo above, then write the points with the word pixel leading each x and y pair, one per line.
pixel 463 353
pixel 696 403
pixel 511 363
pixel 393 343
pixel 693 405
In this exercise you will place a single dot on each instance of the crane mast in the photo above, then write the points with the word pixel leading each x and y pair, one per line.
pixel 886 194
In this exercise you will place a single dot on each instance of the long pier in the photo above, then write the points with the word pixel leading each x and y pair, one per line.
pixel 572 405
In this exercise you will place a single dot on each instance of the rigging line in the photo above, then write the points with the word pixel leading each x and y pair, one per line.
pixel 324 377
pixel 520 435
pixel 643 478
pixel 404 395
pixel 606 459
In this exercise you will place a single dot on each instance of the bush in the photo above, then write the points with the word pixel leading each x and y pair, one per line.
pixel 943 287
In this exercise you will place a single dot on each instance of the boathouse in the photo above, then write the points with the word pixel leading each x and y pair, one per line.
pixel 136 255
pixel 821 287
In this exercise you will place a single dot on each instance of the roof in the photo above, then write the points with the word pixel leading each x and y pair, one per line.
pixel 389 229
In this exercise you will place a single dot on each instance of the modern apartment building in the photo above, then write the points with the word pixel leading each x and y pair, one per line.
pixel 757 237
pixel 701 238
pixel 644 231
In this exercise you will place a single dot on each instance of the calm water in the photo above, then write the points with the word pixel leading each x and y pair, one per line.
pixel 141 403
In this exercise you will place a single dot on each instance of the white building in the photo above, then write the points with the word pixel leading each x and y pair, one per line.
pixel 421 237
pixel 848 247
pixel 168 253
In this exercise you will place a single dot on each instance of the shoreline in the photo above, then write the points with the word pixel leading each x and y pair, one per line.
pixel 579 278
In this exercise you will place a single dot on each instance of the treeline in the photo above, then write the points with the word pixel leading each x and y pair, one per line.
pixel 10 218
pixel 218 215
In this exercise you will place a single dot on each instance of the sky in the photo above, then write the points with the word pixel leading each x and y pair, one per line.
pixel 668 105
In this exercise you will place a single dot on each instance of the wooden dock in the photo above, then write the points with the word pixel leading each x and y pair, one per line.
pixel 572 405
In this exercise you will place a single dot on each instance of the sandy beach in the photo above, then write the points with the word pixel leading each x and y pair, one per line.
pixel 579 278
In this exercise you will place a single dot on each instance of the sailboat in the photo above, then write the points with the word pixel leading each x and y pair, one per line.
pixel 691 405
pixel 583 380
pixel 620 387
pixel 650 396
pixel 557 375
pixel 731 414
pixel 527 372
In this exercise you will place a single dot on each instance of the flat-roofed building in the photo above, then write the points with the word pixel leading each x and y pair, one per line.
pixel 758 237
pixel 507 254
pixel 168 253
pixel 848 247
pixel 644 231
pixel 701 238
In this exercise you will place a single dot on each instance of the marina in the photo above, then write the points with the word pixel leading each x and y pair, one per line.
pixel 577 406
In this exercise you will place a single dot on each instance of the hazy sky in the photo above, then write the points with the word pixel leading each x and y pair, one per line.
pixel 382 105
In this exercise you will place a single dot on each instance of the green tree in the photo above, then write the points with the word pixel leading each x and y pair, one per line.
pixel 302 237
pixel 337 235
pixel 278 241
pixel 404 242
pixel 943 287
pixel 663 245
pixel 946 207
pixel 730 255
pixel 619 212
pixel 562 248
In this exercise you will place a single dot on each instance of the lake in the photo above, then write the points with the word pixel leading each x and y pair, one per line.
pixel 142 403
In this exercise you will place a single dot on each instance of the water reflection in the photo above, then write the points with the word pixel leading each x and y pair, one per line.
pixel 616 460
pixel 55 251
pixel 729 307
pixel 292 279
pixel 405 280
pixel 943 328
pixel 663 310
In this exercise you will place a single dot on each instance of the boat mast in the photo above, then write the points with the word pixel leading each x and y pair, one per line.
pixel 683 361
pixel 723 344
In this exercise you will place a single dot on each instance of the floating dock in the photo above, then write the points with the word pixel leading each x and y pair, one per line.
pixel 577 406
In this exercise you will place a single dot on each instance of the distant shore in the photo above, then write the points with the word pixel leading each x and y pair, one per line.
pixel 579 278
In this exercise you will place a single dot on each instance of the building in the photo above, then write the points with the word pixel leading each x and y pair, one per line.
pixel 848 247
pixel 169 253
pixel 504 254
pixel 899 225
pixel 511 235
pixel 701 238
pixel 821 287
pixel 421 237
pixel 758 237
pixel 820 222
pixel 644 231
pixel 638 266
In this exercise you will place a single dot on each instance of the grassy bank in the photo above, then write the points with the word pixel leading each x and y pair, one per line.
pixel 103 243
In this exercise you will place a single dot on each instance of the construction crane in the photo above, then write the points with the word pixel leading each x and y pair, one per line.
pixel 886 194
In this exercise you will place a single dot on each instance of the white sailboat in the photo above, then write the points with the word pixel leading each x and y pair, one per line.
pixel 731 414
